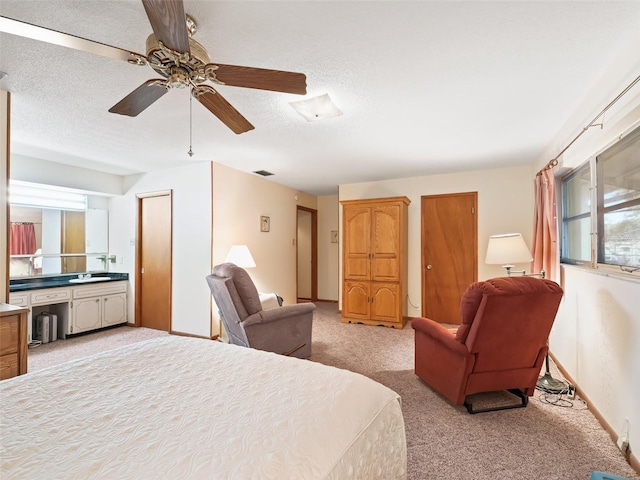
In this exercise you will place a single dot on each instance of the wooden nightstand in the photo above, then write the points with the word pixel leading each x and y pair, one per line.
pixel 13 340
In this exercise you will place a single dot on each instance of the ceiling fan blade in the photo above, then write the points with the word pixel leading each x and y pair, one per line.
pixel 27 30
pixel 169 23
pixel 138 100
pixel 216 104
pixel 261 78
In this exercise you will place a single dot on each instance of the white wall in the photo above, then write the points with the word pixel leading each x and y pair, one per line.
pixel 4 220
pixel 51 241
pixel 28 169
pixel 596 338
pixel 191 187
pixel 505 204
pixel 596 335
pixel 328 253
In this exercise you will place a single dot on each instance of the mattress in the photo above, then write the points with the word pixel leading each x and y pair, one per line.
pixel 179 407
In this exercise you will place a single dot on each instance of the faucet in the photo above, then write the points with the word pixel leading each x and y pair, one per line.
pixel 104 258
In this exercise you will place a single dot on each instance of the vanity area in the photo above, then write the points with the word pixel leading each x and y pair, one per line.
pixel 60 264
pixel 79 304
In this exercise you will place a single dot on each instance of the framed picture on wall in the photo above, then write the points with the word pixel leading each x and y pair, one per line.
pixel 265 224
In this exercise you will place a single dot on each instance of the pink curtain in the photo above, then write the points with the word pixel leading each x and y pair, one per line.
pixel 23 239
pixel 545 229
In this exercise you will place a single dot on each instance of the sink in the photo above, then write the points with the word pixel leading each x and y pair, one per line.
pixel 89 280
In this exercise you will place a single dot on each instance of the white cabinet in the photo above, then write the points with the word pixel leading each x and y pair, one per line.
pixel 19 299
pixel 98 306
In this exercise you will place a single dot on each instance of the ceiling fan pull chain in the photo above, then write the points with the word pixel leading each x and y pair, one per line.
pixel 190 152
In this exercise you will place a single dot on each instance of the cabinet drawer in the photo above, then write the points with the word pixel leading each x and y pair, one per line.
pixel 19 299
pixel 44 297
pixel 9 334
pixel 99 290
pixel 8 366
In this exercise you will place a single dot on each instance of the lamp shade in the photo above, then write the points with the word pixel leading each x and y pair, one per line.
pixel 507 248
pixel 240 256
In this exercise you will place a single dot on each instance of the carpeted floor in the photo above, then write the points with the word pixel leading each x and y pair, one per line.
pixel 443 441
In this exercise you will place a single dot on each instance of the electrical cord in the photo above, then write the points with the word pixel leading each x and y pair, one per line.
pixel 565 398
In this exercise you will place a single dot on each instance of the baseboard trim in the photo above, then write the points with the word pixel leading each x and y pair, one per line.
pixel 631 458
pixel 184 334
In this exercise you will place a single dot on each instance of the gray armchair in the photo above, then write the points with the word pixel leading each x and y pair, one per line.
pixel 285 330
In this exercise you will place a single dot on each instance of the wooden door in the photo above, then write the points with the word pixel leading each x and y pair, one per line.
pixel 307 254
pixel 153 279
pixel 449 253
pixel 73 241
pixel 357 243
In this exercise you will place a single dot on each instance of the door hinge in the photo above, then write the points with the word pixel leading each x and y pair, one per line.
pixel 473 210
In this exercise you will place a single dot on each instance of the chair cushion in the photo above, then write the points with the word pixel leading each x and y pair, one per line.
pixel 246 290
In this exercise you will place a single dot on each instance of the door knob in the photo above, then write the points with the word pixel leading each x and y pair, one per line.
pixel 429 267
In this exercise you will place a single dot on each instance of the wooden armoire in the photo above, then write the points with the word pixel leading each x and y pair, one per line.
pixel 374 261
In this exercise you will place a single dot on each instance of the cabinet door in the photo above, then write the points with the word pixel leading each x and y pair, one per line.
pixel 86 314
pixel 386 302
pixel 357 243
pixel 114 309
pixel 356 300
pixel 386 243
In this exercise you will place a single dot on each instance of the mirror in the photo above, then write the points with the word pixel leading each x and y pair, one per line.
pixel 50 241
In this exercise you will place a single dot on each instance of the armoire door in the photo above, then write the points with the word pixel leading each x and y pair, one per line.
pixel 386 243
pixel 357 240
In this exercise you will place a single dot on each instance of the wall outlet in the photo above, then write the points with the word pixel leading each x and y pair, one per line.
pixel 571 394
pixel 623 437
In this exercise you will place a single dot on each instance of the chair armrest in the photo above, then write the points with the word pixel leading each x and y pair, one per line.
pixel 440 334
pixel 275 314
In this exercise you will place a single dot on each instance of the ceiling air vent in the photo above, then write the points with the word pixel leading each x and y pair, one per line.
pixel 264 173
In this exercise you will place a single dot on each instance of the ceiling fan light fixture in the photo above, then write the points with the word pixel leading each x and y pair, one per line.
pixel 316 108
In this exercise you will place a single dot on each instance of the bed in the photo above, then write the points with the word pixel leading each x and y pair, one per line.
pixel 178 407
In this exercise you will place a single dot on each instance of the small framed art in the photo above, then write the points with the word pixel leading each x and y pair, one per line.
pixel 265 224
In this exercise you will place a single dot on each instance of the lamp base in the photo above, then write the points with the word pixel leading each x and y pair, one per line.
pixel 550 385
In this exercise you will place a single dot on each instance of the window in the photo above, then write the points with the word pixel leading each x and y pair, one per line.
pixel 601 208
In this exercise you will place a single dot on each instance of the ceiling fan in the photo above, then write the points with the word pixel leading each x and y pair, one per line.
pixel 178 58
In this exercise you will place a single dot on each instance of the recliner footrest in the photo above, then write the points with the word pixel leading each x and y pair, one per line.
pixel 524 401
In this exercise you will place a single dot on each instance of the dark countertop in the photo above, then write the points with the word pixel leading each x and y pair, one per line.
pixel 53 281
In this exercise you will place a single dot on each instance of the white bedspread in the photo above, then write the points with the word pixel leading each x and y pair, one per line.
pixel 184 408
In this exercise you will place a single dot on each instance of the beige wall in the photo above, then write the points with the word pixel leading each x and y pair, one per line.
pixel 4 169
pixel 239 200
pixel 505 204
pixel 328 253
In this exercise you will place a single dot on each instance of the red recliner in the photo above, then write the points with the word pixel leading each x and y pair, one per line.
pixel 500 344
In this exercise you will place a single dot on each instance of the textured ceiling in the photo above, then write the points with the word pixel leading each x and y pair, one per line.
pixel 425 87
